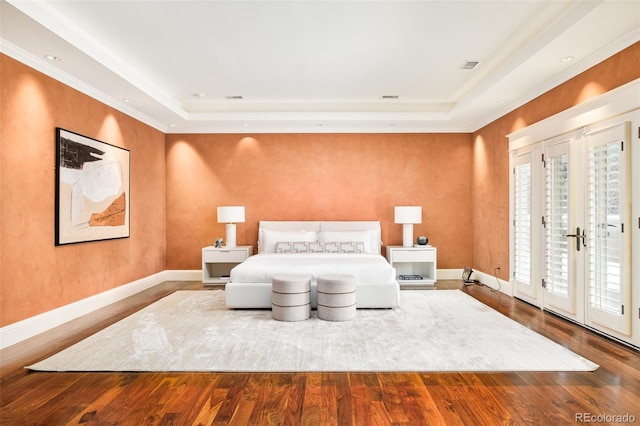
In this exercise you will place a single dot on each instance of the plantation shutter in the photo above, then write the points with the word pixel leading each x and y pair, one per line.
pixel 605 228
pixel 522 222
pixel 608 277
pixel 557 224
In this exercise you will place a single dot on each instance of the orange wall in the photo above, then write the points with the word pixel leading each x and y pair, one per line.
pixel 460 180
pixel 36 276
pixel 491 153
pixel 318 177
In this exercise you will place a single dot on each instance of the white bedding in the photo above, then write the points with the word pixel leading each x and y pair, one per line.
pixel 367 268
pixel 376 286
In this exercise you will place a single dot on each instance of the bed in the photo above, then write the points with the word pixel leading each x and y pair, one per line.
pixel 315 248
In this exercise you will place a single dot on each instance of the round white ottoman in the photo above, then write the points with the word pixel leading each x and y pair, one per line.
pixel 336 297
pixel 291 297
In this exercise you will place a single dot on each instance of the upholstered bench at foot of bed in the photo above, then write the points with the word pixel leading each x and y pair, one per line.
pixel 336 297
pixel 291 297
pixel 258 295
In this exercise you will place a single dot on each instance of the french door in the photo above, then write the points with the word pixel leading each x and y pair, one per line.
pixel 568 238
pixel 608 265
pixel 560 219
pixel 525 184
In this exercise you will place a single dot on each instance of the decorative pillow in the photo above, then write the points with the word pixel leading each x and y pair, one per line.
pixel 314 247
pixel 365 237
pixel 271 238
pixel 344 247
pixel 298 247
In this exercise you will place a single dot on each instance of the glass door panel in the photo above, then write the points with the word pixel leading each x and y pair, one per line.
pixel 523 226
pixel 559 277
pixel 606 243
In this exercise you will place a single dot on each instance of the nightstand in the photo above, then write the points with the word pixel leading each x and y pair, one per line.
pixel 417 260
pixel 218 262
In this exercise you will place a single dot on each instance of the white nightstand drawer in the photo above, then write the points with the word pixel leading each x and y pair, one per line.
pixel 222 256
pixel 409 261
pixel 413 255
pixel 217 262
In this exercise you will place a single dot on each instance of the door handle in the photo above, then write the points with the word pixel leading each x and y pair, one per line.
pixel 578 236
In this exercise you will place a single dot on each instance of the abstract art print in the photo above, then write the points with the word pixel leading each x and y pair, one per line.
pixel 92 189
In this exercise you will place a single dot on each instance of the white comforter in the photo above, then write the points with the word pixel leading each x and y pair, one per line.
pixel 367 268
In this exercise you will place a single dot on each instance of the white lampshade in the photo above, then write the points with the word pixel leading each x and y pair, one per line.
pixel 408 214
pixel 231 214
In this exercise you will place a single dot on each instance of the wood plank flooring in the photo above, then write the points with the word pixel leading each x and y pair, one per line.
pixel 411 398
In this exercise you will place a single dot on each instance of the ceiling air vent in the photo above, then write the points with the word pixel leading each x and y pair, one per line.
pixel 233 97
pixel 389 96
pixel 469 65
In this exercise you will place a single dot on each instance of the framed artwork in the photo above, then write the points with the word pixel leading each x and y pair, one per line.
pixel 92 189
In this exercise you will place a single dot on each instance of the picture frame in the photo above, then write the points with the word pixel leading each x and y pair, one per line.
pixel 92 189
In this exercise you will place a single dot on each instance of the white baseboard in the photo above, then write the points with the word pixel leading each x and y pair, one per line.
pixel 22 330
pixel 490 281
pixel 183 275
pixel 449 274
pixel 487 279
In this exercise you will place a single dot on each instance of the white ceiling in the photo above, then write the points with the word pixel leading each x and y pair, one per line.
pixel 315 66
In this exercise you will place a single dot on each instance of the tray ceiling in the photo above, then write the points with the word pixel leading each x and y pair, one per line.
pixel 316 66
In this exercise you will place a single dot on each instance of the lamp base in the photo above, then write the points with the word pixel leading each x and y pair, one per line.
pixel 231 235
pixel 407 235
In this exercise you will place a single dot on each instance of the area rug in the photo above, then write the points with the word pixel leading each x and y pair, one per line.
pixel 432 330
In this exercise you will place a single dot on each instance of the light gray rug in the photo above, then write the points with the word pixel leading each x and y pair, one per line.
pixel 441 330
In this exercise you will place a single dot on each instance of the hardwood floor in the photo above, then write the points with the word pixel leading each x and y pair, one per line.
pixel 604 396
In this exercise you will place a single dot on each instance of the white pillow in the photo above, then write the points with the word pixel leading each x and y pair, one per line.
pixel 366 237
pixel 271 238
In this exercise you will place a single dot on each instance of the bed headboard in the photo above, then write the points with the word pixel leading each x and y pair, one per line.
pixel 319 226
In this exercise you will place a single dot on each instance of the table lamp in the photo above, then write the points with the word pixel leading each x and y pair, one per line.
pixel 231 215
pixel 408 216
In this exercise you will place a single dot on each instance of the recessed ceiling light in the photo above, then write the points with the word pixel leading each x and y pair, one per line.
pixel 566 59
pixel 245 125
pixel 127 100
pixel 172 125
pixel 198 95
pixel 52 58
pixel 501 101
